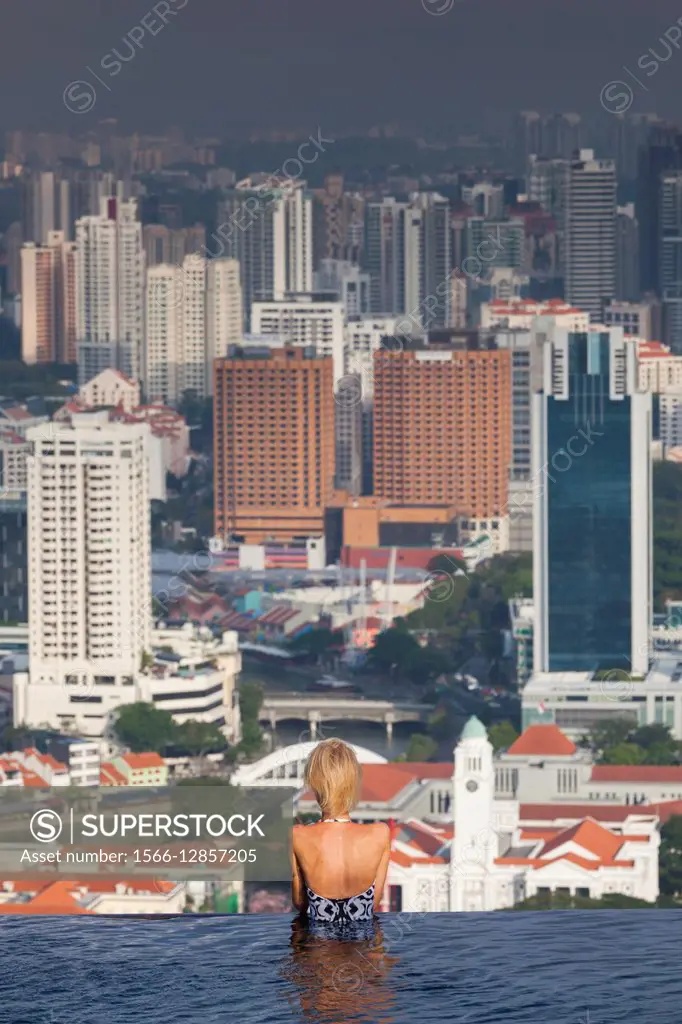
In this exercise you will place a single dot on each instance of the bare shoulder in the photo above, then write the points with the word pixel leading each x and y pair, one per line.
pixel 381 831
pixel 297 833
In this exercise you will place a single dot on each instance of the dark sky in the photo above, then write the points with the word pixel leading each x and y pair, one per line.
pixel 222 65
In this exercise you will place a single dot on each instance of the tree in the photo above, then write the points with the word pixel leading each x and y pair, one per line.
pixel 143 727
pixel 670 857
pixel 502 735
pixel 623 753
pixel 250 701
pixel 609 733
pixel 393 647
pixel 316 642
pixel 420 748
pixel 199 738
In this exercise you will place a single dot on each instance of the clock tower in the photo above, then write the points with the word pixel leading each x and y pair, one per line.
pixel 475 846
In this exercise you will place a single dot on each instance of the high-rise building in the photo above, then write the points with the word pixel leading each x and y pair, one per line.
pixel 589 232
pixel 348 282
pixel 662 154
pixel 46 206
pixel 526 139
pixel 269 230
pixel 591 504
pixel 428 261
pixel 670 258
pixel 89 566
pixel 48 308
pixel 384 256
pixel 484 198
pixel 110 291
pixel 441 431
pixel 274 443
pixel 308 320
pixel 193 315
pixel 408 254
pixel 627 253
pixel 338 218
pixel 168 245
pixel 13 557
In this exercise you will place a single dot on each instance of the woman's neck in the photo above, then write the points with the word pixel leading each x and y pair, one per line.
pixel 335 815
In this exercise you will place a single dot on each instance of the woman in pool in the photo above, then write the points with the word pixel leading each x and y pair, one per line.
pixel 338 867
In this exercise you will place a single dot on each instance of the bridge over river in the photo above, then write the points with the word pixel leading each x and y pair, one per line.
pixel 317 708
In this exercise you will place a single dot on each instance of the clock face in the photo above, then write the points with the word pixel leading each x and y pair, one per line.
pixel 472 786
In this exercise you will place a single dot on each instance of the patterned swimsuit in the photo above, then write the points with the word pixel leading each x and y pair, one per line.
pixel 348 910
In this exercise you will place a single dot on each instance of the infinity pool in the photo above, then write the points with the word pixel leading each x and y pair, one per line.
pixel 566 967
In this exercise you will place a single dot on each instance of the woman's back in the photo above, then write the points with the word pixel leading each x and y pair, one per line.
pixel 340 859
pixel 338 867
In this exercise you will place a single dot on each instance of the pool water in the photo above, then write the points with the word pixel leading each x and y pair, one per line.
pixel 570 967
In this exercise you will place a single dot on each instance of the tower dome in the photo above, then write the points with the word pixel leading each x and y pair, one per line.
pixel 474 730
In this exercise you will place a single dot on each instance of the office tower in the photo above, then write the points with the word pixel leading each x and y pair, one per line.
pixel 485 199
pixel 589 233
pixel 526 139
pixel 89 563
pixel 13 555
pixel 561 135
pixel 269 230
pixel 493 243
pixel 546 182
pixel 48 307
pixel 12 242
pixel 441 430
pixel 625 134
pixel 274 443
pixel 351 285
pixel 428 261
pixel 110 291
pixel 46 206
pixel 591 431
pixel 662 154
pixel 670 258
pixel 627 253
pixel 309 320
pixel 338 218
pixel 385 255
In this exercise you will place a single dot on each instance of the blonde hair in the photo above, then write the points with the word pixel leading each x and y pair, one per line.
pixel 333 773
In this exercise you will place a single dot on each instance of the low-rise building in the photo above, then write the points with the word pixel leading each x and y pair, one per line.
pixel 146 769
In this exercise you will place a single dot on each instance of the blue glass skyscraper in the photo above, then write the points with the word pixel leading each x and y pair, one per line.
pixel 592 496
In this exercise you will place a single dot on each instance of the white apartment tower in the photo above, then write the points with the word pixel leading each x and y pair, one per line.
pixel 48 301
pixel 89 552
pixel 193 314
pixel 268 228
pixel 110 290
pixel 590 233
pixel 307 319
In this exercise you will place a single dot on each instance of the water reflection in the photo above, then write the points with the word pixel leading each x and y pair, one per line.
pixel 340 980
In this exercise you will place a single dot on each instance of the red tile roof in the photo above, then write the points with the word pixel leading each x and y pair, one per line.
pixel 590 836
pixel 140 761
pixel 576 812
pixel 543 741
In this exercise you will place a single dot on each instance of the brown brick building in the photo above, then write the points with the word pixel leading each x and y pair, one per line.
pixel 442 428
pixel 274 443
